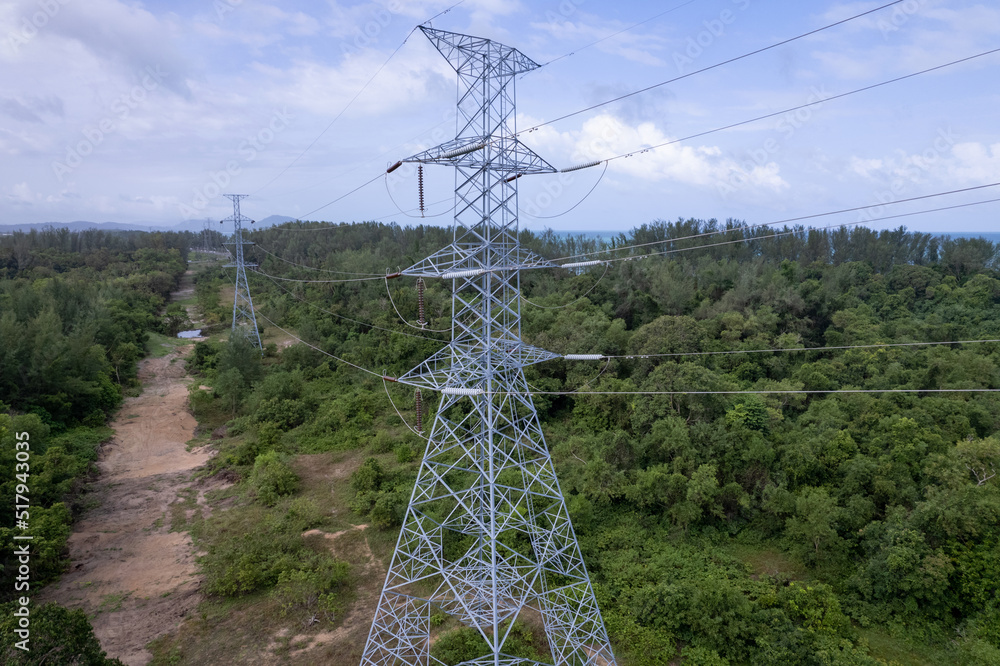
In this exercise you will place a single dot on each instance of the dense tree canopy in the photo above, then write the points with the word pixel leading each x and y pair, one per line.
pixel 76 310
pixel 787 524
pixel 887 501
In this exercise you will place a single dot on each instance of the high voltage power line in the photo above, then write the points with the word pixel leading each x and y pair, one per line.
pixel 788 233
pixel 354 99
pixel 395 51
pixel 763 392
pixel 619 32
pixel 801 106
pixel 710 67
pixel 776 350
pixel 488 585
pixel 311 268
pixel 673 240
pixel 361 279
pixel 743 229
pixel 799 218
pixel 711 131
pixel 600 104
pixel 750 239
pixel 350 319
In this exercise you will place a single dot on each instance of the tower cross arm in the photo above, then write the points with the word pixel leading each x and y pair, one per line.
pixel 482 152
pixel 466 53
pixel 457 261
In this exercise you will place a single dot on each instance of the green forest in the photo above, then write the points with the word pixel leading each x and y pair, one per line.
pixel 786 525
pixel 76 313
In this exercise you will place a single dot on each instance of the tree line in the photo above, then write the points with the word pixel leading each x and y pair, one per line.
pixel 787 526
pixel 76 313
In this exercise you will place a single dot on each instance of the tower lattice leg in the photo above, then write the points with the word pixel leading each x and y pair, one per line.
pixel 486 537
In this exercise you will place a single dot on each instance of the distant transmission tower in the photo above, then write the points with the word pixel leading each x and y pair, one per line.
pixel 486 537
pixel 206 236
pixel 243 315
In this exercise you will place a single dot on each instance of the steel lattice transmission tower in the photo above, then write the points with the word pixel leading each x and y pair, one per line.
pixel 486 536
pixel 244 320
pixel 206 236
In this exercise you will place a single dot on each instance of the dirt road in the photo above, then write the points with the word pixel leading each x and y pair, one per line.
pixel 129 572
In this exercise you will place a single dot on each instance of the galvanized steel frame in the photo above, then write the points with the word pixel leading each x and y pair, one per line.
pixel 243 314
pixel 486 535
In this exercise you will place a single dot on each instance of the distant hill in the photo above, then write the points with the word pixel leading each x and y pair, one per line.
pixel 74 226
pixel 187 225
pixel 272 220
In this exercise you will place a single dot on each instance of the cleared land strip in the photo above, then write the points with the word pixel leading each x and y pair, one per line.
pixel 135 577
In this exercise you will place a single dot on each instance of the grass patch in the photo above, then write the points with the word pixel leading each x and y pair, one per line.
pixel 226 631
pixel 112 602
pixel 279 609
pixel 764 559
pixel 904 652
pixel 160 345
pixel 277 336
pixel 185 511
pixel 157 524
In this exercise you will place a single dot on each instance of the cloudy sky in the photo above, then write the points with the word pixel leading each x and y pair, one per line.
pixel 146 112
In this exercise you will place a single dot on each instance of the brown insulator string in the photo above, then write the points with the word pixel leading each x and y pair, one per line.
pixel 420 187
pixel 420 411
pixel 420 303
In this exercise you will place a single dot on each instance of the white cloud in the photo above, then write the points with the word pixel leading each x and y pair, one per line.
pixel 911 36
pixel 865 167
pixel 123 38
pixel 975 163
pixel 941 165
pixel 422 10
pixel 20 194
pixel 605 135
pixel 631 45
pixel 323 89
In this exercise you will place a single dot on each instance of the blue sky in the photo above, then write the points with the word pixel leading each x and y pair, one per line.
pixel 147 112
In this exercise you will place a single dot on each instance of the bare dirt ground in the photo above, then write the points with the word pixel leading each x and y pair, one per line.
pixel 344 643
pixel 134 577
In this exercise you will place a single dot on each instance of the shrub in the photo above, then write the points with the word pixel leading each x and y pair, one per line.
pixel 58 636
pixel 382 442
pixel 312 589
pixel 271 478
pixel 404 453
pixel 459 645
